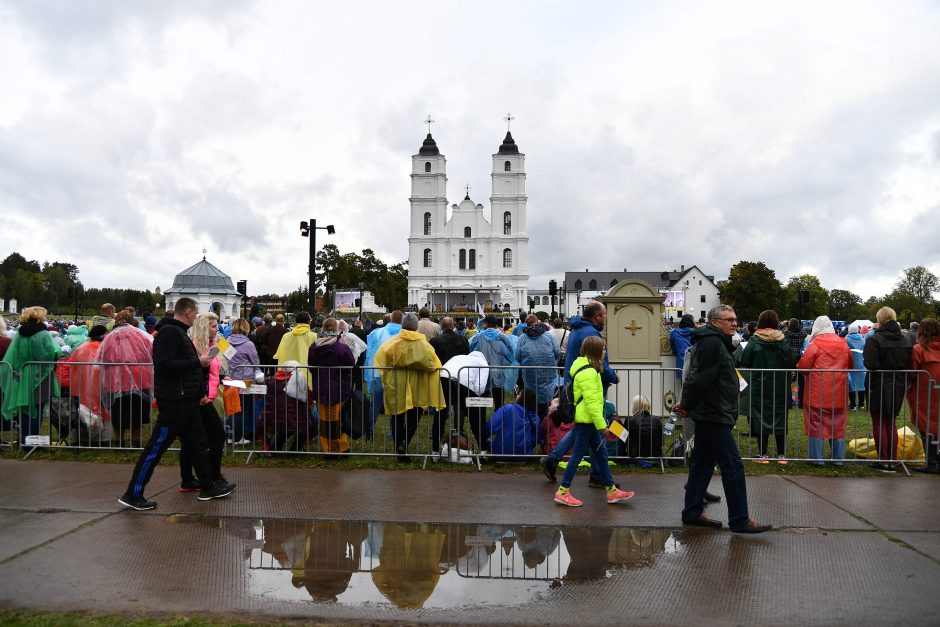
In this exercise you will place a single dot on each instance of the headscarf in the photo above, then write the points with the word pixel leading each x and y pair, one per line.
pixel 853 328
pixel 822 326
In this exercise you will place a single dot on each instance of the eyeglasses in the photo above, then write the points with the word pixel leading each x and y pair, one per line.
pixel 729 319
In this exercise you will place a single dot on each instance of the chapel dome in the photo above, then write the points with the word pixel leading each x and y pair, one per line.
pixel 508 147
pixel 202 277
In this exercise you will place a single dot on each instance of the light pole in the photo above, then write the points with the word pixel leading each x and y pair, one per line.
pixel 310 230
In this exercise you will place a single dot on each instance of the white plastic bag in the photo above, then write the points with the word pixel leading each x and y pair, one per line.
pixel 296 386
pixel 98 430
pixel 456 455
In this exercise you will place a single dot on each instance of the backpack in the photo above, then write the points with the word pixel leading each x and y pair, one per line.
pixel 566 403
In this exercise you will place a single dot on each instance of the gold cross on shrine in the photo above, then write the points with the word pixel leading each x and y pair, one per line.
pixel 633 327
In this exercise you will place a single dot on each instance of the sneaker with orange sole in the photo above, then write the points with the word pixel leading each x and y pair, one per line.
pixel 567 499
pixel 618 495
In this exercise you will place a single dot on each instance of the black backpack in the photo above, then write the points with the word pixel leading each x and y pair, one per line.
pixel 566 403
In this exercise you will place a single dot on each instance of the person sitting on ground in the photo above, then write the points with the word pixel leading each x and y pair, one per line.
pixel 514 428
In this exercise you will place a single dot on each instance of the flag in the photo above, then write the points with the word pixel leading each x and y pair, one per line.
pixel 617 428
pixel 228 351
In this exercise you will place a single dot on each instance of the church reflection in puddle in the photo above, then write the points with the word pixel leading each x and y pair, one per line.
pixel 424 565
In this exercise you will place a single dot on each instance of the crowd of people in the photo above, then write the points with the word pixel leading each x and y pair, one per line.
pixel 330 383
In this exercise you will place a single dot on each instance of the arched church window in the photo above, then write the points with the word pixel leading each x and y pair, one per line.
pixel 592 285
pixel 463 258
pixel 466 231
pixel 507 223
pixel 427 166
pixel 507 167
pixel 577 284
pixel 427 257
pixel 473 258
pixel 427 223
pixel 613 282
pixel 507 258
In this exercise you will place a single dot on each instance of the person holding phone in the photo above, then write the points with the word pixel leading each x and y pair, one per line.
pixel 178 389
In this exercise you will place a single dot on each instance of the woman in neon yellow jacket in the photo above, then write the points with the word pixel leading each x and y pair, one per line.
pixel 589 424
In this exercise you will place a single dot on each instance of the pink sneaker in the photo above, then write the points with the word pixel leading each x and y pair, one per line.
pixel 618 495
pixel 567 499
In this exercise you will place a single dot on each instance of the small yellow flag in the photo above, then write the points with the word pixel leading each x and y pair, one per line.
pixel 617 428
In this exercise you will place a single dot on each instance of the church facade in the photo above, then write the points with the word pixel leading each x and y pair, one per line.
pixel 458 260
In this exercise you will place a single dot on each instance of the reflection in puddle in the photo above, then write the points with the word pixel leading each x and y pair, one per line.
pixel 423 565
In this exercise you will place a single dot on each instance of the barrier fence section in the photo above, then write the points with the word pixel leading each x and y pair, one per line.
pixel 6 426
pixel 501 412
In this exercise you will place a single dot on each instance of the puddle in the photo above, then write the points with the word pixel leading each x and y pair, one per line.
pixel 431 565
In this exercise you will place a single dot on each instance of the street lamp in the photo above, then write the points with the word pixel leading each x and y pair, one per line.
pixel 310 230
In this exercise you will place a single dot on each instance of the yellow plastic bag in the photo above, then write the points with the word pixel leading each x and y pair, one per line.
pixel 910 446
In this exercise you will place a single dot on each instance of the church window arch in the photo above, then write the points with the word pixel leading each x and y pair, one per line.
pixel 507 223
pixel 427 166
pixel 613 282
pixel 427 223
pixel 466 231
pixel 463 259
pixel 507 257
pixel 507 167
pixel 473 259
pixel 577 284
pixel 592 285
pixel 427 257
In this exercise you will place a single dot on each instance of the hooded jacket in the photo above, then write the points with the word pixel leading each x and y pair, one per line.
pixel 581 329
pixel 923 394
pixel 410 373
pixel 497 348
pixel 295 346
pixel 536 347
pixel 769 391
pixel 177 373
pixel 711 388
pixel 680 339
pixel 332 374
pixel 22 385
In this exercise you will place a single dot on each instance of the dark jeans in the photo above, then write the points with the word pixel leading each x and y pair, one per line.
pixel 714 443
pixel 565 444
pixel 764 439
pixel 215 438
pixel 177 418
pixel 587 441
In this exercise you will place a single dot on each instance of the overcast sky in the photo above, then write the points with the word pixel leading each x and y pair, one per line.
pixel 802 134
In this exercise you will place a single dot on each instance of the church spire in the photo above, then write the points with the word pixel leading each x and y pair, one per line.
pixel 508 147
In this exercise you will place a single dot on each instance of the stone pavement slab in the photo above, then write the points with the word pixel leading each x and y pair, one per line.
pixel 456 548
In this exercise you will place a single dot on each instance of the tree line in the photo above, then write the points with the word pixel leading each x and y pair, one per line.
pixel 752 287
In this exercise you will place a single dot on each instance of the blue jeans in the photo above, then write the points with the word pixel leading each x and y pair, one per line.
pixel 714 443
pixel 565 444
pixel 587 440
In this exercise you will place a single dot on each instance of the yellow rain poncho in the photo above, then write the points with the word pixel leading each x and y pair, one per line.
pixel 295 346
pixel 410 372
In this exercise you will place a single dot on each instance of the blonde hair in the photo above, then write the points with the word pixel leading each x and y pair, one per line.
pixel 639 404
pixel 884 314
pixel 199 332
pixel 593 348
pixel 241 326
pixel 33 314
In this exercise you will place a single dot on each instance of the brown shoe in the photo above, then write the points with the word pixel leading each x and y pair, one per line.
pixel 702 521
pixel 751 526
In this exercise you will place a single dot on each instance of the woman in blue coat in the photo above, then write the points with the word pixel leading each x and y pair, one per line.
pixel 857 379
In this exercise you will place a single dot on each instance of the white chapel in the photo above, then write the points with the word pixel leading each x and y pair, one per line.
pixel 458 259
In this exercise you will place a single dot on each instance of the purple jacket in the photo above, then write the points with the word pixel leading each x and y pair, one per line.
pixel 330 386
pixel 242 365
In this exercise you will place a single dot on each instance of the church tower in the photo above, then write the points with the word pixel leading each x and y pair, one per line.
pixel 428 214
pixel 508 216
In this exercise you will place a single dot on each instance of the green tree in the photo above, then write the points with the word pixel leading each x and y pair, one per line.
pixel 818 304
pixel 751 288
pixel 908 306
pixel 845 305
pixel 920 282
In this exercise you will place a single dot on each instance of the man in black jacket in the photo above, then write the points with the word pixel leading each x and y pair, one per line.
pixel 178 387
pixel 710 397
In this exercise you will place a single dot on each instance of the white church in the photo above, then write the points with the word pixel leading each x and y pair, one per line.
pixel 459 260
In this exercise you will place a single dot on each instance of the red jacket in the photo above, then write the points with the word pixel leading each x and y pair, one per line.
pixel 923 392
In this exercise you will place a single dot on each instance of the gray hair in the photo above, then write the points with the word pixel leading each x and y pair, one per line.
pixel 715 312
pixel 409 322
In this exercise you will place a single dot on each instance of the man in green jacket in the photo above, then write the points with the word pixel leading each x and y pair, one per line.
pixel 710 398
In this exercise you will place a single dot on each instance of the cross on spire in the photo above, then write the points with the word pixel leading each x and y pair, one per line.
pixel 467 187
pixel 429 122
pixel 204 251
pixel 508 120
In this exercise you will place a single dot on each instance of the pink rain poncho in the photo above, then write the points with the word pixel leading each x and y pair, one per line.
pixel 126 360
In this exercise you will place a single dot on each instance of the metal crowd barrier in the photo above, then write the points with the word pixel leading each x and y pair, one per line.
pixel 388 412
pixel 6 426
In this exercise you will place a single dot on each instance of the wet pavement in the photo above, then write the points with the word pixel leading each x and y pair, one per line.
pixel 466 548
